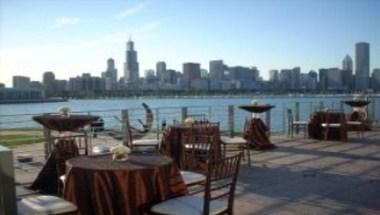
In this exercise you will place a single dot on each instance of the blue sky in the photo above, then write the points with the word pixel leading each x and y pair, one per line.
pixel 71 37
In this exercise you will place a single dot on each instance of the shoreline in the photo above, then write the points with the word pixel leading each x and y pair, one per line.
pixel 26 101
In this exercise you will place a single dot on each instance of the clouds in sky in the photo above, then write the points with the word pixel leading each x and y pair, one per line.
pixel 131 11
pixel 64 21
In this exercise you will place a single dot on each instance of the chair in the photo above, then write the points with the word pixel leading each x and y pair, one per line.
pixel 358 123
pixel 44 204
pixel 334 119
pixel 220 182
pixel 197 149
pixel 233 144
pixel 295 125
pixel 198 118
pixel 140 144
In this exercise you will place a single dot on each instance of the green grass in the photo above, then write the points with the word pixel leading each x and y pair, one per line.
pixel 20 139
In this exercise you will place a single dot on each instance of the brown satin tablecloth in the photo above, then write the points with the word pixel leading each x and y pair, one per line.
pixel 47 180
pixel 100 186
pixel 255 132
pixel 319 117
pixel 172 141
pixel 61 123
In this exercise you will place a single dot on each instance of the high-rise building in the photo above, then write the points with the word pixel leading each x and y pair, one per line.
pixel 295 80
pixel 361 66
pixel 323 79
pixel 334 79
pixel 347 68
pixel 376 79
pixel 21 82
pixel 48 81
pixel 191 72
pixel 274 76
pixel 160 71
pixel 217 69
pixel 131 66
pixel 110 75
pixel 285 79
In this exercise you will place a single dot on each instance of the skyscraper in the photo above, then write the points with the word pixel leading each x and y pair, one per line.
pixel 216 69
pixel 191 72
pixel 347 68
pixel 361 66
pixel 110 75
pixel 131 66
pixel 274 75
pixel 160 71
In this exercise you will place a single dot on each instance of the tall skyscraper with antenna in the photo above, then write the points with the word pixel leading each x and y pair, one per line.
pixel 131 66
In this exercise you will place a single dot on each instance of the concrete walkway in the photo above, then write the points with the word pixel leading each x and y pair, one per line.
pixel 300 176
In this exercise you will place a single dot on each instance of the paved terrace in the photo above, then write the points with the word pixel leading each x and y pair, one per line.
pixel 300 176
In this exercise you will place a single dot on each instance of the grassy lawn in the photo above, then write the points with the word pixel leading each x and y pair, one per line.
pixel 12 138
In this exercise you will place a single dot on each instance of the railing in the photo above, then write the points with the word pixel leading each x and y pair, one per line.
pixel 231 118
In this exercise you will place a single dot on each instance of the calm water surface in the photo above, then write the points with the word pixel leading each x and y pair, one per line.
pixel 169 109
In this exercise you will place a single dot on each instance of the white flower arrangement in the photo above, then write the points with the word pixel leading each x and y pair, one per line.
pixel 120 152
pixel 64 111
pixel 189 121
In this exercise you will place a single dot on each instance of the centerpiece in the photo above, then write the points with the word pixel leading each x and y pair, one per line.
pixel 120 152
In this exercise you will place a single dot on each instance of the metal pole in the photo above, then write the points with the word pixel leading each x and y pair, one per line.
pixel 125 122
pixel 184 113
pixel 158 123
pixel 283 118
pixel 209 113
pixel 267 121
pixel 231 114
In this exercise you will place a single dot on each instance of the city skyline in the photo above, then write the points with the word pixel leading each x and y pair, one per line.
pixel 282 34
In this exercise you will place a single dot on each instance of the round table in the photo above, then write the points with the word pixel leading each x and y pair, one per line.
pixel 255 131
pixel 99 185
pixel 61 123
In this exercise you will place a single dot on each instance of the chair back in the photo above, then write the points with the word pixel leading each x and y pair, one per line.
pixel 221 181
pixel 199 146
pixel 198 118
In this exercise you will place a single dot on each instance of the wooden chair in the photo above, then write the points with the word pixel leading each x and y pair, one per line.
pixel 295 125
pixel 44 204
pixel 357 124
pixel 335 119
pixel 198 147
pixel 220 183
pixel 233 144
pixel 141 144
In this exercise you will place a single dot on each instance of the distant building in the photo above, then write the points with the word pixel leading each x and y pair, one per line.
pixel 312 80
pixel 36 85
pixel 2 86
pixel 295 80
pixel 347 73
pixel 217 70
pixel 323 79
pixel 161 72
pixel 86 83
pixel 242 73
pixel 191 72
pixel 274 76
pixel 110 75
pixel 131 65
pixel 361 66
pixel 21 82
pixel 204 73
pixel 376 79
pixel 334 79
pixel 20 94
pixel 285 79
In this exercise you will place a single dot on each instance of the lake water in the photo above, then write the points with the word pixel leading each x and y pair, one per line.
pixel 169 109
